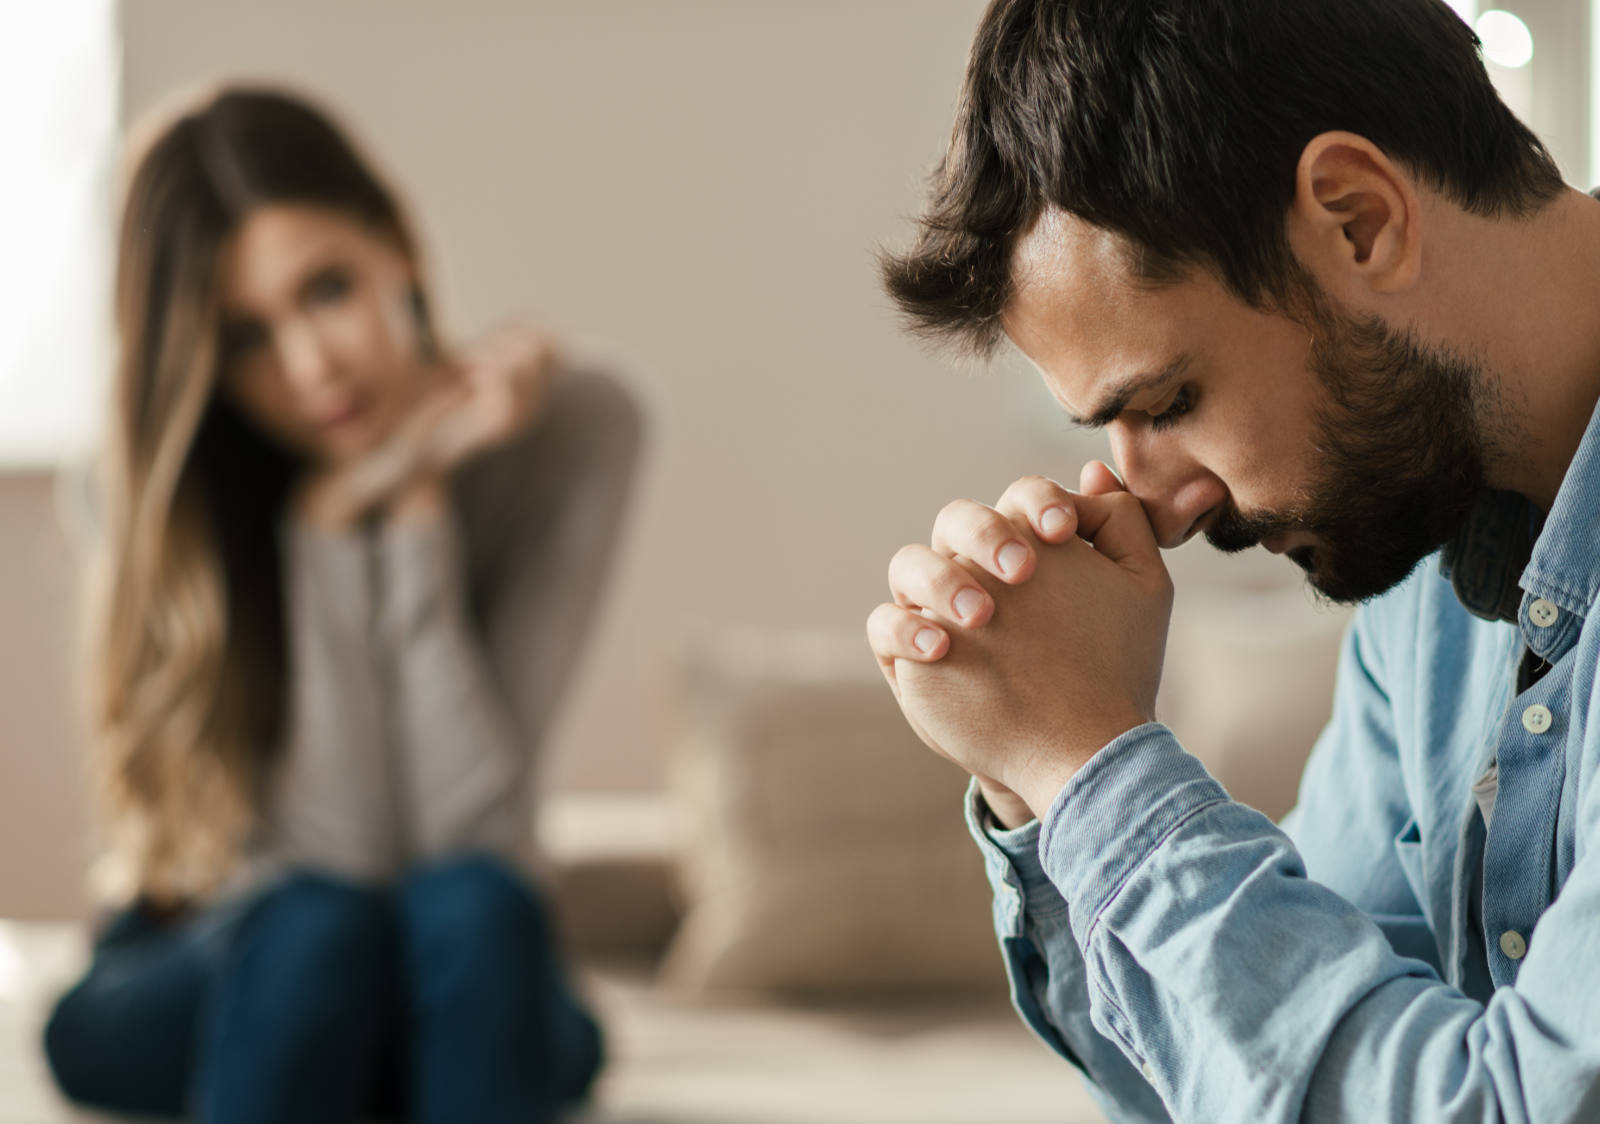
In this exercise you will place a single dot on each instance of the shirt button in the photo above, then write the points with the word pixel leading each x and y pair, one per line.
pixel 1512 944
pixel 1149 1074
pixel 1543 613
pixel 1536 719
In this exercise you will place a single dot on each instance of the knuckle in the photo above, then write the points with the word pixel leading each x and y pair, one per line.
pixel 953 512
pixel 985 523
pixel 901 560
pixel 880 625
pixel 1036 492
pixel 968 527
pixel 947 581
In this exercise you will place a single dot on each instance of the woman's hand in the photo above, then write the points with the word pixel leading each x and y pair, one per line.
pixel 473 403
pixel 341 495
pixel 505 378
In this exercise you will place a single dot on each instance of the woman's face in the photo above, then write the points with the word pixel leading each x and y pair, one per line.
pixel 320 344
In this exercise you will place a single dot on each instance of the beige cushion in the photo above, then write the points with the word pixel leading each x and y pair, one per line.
pixel 822 845
pixel 610 872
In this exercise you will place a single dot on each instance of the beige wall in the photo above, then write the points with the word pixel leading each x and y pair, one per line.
pixel 692 187
pixel 695 187
pixel 42 807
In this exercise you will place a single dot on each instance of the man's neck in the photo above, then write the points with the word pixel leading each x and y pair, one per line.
pixel 1525 295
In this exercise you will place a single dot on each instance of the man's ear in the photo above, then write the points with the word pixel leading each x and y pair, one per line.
pixel 1356 214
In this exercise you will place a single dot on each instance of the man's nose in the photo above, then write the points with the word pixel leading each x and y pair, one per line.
pixel 1178 494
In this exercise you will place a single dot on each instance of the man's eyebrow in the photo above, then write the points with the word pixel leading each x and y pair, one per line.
pixel 1109 410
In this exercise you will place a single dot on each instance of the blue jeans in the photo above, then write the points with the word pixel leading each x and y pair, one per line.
pixel 319 1000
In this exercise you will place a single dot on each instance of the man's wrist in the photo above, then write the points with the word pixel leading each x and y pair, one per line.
pixel 1045 783
pixel 1047 774
pixel 1009 810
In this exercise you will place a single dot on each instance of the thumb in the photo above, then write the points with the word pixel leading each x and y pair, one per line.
pixel 1116 523
pixel 1097 479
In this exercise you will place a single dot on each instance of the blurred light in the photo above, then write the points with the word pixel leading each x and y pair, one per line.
pixel 1506 39
pixel 58 115
pixel 1466 9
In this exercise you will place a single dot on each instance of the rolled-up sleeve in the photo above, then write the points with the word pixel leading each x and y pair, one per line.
pixel 1049 984
pixel 1254 993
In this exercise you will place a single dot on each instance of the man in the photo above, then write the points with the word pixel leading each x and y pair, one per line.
pixel 1328 296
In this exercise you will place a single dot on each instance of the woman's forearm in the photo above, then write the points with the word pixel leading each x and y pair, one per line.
pixel 480 655
pixel 330 800
pixel 462 763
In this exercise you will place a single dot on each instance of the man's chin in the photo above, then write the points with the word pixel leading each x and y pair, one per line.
pixel 1351 581
pixel 1345 575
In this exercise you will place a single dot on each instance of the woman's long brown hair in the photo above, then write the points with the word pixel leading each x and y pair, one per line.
pixel 188 667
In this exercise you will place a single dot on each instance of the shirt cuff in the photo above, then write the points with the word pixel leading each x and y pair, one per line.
pixel 1014 868
pixel 1116 811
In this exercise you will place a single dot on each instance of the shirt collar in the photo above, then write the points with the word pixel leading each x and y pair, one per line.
pixel 1505 546
pixel 1485 560
pixel 1565 566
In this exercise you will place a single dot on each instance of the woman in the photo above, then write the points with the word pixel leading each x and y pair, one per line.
pixel 344 576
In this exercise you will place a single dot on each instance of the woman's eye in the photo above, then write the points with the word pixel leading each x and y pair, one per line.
pixel 328 286
pixel 1181 404
pixel 239 340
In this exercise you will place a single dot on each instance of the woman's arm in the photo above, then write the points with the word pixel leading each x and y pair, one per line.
pixel 330 800
pixel 486 601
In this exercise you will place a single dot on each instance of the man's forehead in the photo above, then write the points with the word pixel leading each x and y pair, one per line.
pixel 1079 313
pixel 1058 245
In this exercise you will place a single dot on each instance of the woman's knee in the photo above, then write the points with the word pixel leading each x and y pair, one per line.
pixel 316 948
pixel 122 1036
pixel 469 898
pixel 67 1050
pixel 473 920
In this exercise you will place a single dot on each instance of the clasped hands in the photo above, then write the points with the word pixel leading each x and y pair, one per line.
pixel 1028 635
pixel 464 405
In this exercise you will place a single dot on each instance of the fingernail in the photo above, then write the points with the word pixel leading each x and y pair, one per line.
pixel 1012 556
pixel 1053 519
pixel 927 640
pixel 968 603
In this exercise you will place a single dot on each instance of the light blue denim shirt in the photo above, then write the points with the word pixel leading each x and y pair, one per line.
pixel 1385 955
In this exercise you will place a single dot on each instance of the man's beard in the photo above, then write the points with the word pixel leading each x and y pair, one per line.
pixel 1398 459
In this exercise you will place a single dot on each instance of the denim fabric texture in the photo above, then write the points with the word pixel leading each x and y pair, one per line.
pixel 322 1000
pixel 1384 955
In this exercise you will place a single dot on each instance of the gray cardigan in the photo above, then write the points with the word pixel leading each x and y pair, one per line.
pixel 425 661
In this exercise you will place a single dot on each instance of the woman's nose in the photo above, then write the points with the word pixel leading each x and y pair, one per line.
pixel 307 361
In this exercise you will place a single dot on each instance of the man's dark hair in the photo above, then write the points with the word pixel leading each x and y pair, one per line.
pixel 1179 124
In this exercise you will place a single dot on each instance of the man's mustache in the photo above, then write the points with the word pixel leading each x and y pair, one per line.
pixel 1235 531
